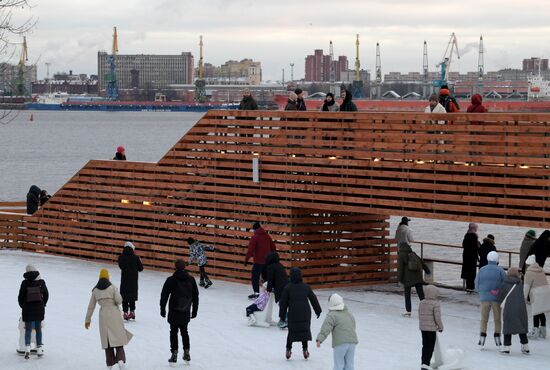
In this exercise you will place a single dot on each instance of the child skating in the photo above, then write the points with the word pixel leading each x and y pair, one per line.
pixel 197 254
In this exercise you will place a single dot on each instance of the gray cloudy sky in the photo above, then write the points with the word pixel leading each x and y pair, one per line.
pixel 69 33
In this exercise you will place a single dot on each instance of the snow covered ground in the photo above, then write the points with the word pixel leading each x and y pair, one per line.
pixel 220 338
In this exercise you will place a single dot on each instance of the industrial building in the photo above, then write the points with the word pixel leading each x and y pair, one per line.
pixel 9 74
pixel 146 71
pixel 232 72
pixel 317 67
pixel 69 83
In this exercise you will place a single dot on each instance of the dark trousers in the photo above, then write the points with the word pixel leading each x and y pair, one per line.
pixel 203 274
pixel 470 283
pixel 257 270
pixel 539 320
pixel 128 305
pixel 508 339
pixel 419 291
pixel 174 337
pixel 428 345
pixel 289 343
pixel 251 309
pixel 112 358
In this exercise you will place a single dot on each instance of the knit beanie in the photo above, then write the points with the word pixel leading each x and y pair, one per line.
pixel 120 149
pixel 531 233
pixel 298 91
pixel 492 256
pixel 335 302
pixel 104 274
pixel 129 244
pixel 30 268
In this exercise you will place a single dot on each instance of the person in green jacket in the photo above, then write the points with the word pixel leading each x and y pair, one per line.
pixel 341 324
pixel 410 274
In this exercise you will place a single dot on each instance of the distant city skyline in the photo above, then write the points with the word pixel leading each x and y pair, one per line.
pixel 69 34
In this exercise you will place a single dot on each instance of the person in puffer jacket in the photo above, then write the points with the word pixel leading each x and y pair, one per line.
pixel 259 305
pixel 429 316
pixel 197 253
pixel 341 324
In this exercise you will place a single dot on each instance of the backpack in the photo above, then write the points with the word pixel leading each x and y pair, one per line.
pixel 183 303
pixel 34 294
pixel 415 263
pixel 446 101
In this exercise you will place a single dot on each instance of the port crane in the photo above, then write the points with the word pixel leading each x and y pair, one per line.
pixel 20 87
pixel 357 84
pixel 480 66
pixel 445 64
pixel 112 84
pixel 200 83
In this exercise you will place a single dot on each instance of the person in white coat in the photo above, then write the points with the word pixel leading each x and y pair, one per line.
pixel 111 327
pixel 434 106
pixel 537 293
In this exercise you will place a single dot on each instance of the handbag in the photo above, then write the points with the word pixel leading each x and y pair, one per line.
pixel 503 303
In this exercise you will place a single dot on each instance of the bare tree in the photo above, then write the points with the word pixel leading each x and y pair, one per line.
pixel 11 33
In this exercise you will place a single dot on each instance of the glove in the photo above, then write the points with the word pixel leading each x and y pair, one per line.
pixel 193 315
pixel 163 313
pixel 87 325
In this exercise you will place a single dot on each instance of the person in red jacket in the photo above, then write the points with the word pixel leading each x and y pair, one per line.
pixel 259 247
pixel 476 106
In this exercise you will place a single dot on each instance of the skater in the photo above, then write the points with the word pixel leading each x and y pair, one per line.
pixel 197 254
pixel 277 279
pixel 487 246
pixel 526 245
pixel 403 233
pixel 341 324
pixel 259 305
pixel 259 246
pixel 347 105
pixel 130 267
pixel 470 246
pixel 120 154
pixel 514 311
pixel 296 298
pixel 183 306
pixel 300 103
pixel 112 333
pixel 33 199
pixel 429 315
pixel 330 105
pixel 33 297
pixel 541 248
pixel 21 350
pixel 487 283
pixel 537 293
pixel 409 274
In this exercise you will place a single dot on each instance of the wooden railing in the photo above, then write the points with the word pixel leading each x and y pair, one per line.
pixel 12 219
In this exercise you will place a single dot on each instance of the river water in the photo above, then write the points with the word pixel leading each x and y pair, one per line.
pixel 51 148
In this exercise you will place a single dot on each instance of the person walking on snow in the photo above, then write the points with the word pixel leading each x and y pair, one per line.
pixel 429 316
pixel 296 298
pixel 470 247
pixel 130 266
pixel 525 248
pixel 485 248
pixel 514 311
pixel 488 283
pixel 403 234
pixel 197 254
pixel 409 274
pixel 277 279
pixel 258 305
pixel 112 333
pixel 182 295
pixel 33 297
pixel 259 246
pixel 341 324
pixel 536 292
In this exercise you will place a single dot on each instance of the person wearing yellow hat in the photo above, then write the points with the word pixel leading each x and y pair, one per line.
pixel 112 333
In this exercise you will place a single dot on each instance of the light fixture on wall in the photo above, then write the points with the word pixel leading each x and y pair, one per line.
pixel 124 201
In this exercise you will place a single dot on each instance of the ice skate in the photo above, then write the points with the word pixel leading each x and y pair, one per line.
pixel 253 296
pixel 207 284
pixel 306 354
pixel 121 365
pixel 126 316
pixel 132 315
pixel 525 349
pixel 406 314
pixel 481 342
pixel 498 343
pixel 186 356
pixel 288 354
pixel 173 359
pixel 282 324
pixel 534 333
pixel 40 351
pixel 505 350
pixel 542 332
pixel 201 283
pixel 251 319
pixel 426 367
pixel 27 352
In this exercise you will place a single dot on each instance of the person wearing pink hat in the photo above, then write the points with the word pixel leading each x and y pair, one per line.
pixel 120 154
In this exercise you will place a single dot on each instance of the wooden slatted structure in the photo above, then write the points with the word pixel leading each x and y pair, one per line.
pixel 327 183
pixel 12 218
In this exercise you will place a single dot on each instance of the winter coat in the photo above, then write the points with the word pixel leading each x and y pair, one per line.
pixel 429 310
pixel 301 104
pixel 259 246
pixel 334 107
pixel 182 290
pixel 476 106
pixel 487 246
pixel 111 327
pixel 535 285
pixel 197 253
pixel 488 281
pixel 470 246
pixel 296 298
pixel 341 324
pixel 514 313
pixel 248 103
pixel 347 105
pixel 525 249
pixel 277 278
pixel 403 234
pixel 262 300
pixel 119 157
pixel 438 109
pixel 406 276
pixel 33 311
pixel 33 199
pixel 130 266
pixel 291 105
pixel 541 248
pixel 447 101
pixel 44 197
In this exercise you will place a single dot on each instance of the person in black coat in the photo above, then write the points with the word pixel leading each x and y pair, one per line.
pixel 130 266
pixel 181 289
pixel 541 248
pixel 347 105
pixel 296 298
pixel 33 199
pixel 487 246
pixel 33 297
pixel 470 246
pixel 277 279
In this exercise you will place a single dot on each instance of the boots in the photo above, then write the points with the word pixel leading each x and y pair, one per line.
pixel 174 358
pixel 27 352
pixel 497 340
pixel 126 316
pixel 288 354
pixel 306 354
pixel 481 342
pixel 534 333
pixel 542 332
pixel 186 355
pixel 201 283
pixel 525 349
pixel 132 315
pixel 207 283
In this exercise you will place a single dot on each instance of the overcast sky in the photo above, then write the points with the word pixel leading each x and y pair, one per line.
pixel 69 34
